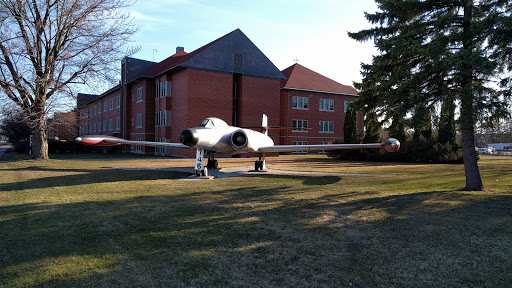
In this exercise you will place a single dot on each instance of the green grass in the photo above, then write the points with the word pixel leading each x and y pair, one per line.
pixel 77 224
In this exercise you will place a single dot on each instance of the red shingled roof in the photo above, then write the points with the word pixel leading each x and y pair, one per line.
pixel 300 77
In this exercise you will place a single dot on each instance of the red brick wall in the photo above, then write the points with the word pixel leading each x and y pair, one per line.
pixel 95 118
pixel 259 96
pixel 313 115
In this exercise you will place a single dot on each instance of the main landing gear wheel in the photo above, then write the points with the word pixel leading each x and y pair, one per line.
pixel 258 165
pixel 212 163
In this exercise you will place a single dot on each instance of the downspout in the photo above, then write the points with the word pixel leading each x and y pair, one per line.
pixel 287 115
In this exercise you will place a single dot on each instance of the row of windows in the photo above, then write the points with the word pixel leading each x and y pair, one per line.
pixel 96 110
pixel 302 126
pixel 96 127
pixel 324 104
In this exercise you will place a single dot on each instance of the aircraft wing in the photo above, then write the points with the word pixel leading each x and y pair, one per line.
pixel 391 145
pixel 103 140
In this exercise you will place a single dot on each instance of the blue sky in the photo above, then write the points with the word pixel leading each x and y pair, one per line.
pixel 315 31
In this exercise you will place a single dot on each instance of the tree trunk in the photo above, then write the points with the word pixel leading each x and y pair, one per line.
pixel 473 180
pixel 39 136
pixel 40 144
pixel 467 113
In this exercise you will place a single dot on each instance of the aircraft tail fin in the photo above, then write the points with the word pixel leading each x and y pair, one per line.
pixel 264 124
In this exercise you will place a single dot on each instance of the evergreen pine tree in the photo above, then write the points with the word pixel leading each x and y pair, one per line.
pixel 431 50
pixel 371 130
pixel 350 126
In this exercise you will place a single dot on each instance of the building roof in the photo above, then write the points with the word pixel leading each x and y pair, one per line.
pixel 232 53
pixel 302 78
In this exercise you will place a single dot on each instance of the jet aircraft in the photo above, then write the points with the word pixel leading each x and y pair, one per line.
pixel 214 135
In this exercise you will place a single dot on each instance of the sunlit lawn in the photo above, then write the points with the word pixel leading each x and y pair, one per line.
pixel 77 224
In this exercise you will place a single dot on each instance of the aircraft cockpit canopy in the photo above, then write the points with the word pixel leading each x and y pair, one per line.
pixel 212 123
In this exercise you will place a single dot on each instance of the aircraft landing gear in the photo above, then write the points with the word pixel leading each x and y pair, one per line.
pixel 200 169
pixel 260 164
pixel 212 163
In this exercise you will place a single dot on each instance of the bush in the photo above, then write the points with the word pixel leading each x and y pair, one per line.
pixel 415 151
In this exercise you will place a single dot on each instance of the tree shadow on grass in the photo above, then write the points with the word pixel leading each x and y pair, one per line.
pixel 267 237
pixel 72 177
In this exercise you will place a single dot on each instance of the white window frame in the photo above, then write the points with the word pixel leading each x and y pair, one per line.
pixel 163 118
pixel 325 126
pixel 326 105
pixel 104 125
pixel 323 143
pixel 118 123
pixel 140 96
pixel 345 106
pixel 139 121
pixel 300 143
pixel 118 101
pixel 110 124
pixel 138 148
pixel 299 102
pixel 299 125
pixel 105 106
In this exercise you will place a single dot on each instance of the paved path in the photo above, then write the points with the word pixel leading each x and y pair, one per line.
pixel 242 171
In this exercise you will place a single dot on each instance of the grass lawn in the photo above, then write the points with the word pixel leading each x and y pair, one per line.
pixel 71 223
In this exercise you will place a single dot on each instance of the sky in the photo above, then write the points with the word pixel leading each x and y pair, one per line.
pixel 314 32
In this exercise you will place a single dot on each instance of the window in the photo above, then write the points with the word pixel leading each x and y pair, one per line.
pixel 118 123
pixel 105 106
pixel 139 95
pixel 299 143
pixel 299 125
pixel 300 102
pixel 323 151
pixel 345 106
pixel 163 89
pixel 138 148
pixel 99 108
pixel 162 150
pixel 118 101
pixel 90 128
pixel 326 127
pixel 110 124
pixel 94 127
pixel 99 126
pixel 139 121
pixel 104 125
pixel 163 118
pixel 94 110
pixel 326 105
pixel 111 102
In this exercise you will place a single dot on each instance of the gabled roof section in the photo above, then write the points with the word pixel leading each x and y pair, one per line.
pixel 232 53
pixel 134 68
pixel 83 99
pixel 302 78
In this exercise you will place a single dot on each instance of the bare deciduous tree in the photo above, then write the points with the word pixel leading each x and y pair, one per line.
pixel 47 46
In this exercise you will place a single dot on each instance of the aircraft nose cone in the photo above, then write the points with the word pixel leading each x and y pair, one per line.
pixel 189 137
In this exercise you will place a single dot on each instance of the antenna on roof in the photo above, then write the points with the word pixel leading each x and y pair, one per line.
pixel 296 60
pixel 154 50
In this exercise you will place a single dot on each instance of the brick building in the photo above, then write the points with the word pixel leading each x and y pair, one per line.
pixel 314 106
pixel 229 78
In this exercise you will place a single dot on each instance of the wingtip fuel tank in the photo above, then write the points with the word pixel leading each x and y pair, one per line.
pixel 391 145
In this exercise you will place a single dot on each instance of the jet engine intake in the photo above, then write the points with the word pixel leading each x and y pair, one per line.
pixel 239 139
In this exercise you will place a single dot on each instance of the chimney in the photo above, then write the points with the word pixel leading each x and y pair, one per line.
pixel 179 48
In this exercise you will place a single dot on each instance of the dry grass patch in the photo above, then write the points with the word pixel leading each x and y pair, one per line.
pixel 76 224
